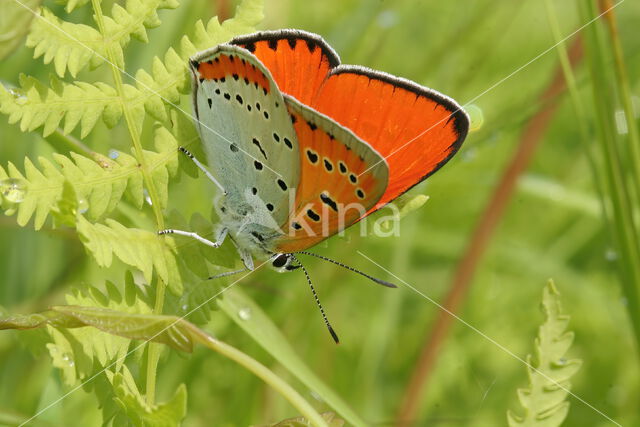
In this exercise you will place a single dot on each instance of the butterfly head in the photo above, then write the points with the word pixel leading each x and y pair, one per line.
pixel 283 262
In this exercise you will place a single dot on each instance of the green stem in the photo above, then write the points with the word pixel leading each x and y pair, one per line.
pixel 625 233
pixel 263 373
pixel 154 349
pixel 64 143
pixel 625 92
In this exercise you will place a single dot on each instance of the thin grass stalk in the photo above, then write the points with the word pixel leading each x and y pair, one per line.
pixel 617 179
pixel 624 91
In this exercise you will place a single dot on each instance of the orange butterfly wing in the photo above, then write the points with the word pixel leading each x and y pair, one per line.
pixel 341 178
pixel 416 129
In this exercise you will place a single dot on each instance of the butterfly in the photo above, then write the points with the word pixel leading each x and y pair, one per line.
pixel 302 147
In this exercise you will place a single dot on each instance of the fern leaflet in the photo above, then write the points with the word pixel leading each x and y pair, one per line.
pixel 549 371
pixel 74 46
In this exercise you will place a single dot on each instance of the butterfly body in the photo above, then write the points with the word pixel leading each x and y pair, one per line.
pixel 303 147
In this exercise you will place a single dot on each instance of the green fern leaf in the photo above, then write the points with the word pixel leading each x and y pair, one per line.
pixel 74 46
pixel 80 353
pixel 70 46
pixel 169 78
pixel 14 24
pixel 100 182
pixel 141 249
pixel 544 401
pixel 138 412
pixel 79 103
pixel 40 190
pixel 71 5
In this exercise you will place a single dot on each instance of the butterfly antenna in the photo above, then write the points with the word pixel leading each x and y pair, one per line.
pixel 374 279
pixel 315 295
pixel 225 274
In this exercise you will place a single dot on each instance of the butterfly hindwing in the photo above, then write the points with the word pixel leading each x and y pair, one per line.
pixel 246 129
pixel 341 178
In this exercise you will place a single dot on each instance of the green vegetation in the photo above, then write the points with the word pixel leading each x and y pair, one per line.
pixel 105 322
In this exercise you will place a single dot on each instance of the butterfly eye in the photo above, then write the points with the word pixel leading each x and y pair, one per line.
pixel 280 261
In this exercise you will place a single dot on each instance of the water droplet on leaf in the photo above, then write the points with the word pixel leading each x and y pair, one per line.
pixel 14 190
pixel 83 206
pixel 476 115
pixel 147 197
pixel 244 313
pixel 113 154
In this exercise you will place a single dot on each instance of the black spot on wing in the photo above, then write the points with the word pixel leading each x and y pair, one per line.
pixel 327 200
pixel 257 144
pixel 313 157
pixel 313 215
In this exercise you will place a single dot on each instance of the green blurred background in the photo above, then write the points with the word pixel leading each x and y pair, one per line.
pixel 552 228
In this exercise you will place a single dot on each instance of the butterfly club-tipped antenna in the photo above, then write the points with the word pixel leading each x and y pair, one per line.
pixel 373 279
pixel 315 296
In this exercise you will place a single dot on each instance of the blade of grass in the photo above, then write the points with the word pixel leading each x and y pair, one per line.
pixel 625 232
pixel 531 137
pixel 248 315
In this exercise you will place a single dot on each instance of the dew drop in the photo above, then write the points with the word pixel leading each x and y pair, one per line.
pixel 20 98
pixel 316 395
pixel 387 19
pixel 66 358
pixel 476 115
pixel 185 307
pixel 610 255
pixel 244 313
pixel 14 190
pixel 147 197
pixel 83 206
pixel 113 154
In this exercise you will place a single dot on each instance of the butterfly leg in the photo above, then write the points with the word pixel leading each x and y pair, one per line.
pixel 202 168
pixel 221 236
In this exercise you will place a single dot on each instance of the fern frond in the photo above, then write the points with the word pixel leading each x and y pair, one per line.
pixel 71 5
pixel 169 78
pixel 74 46
pixel 70 46
pixel 141 249
pixel 544 400
pixel 41 190
pixel 80 352
pixel 100 182
pixel 136 411
pixel 78 103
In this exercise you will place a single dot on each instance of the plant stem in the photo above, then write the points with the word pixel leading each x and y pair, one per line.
pixel 623 90
pixel 622 223
pixel 263 373
pixel 133 127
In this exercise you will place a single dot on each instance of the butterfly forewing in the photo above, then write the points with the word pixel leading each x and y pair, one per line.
pixel 299 61
pixel 247 132
pixel 341 178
